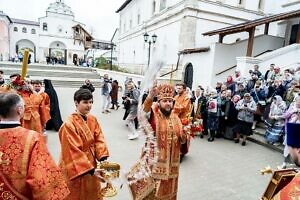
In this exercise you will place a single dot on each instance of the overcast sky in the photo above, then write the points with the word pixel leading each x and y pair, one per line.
pixel 99 14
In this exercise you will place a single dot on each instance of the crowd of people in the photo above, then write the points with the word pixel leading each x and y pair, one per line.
pixel 231 110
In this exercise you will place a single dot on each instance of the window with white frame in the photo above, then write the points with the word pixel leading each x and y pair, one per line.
pixel 163 4
pixel 45 26
pixel 138 18
pixel 33 31
pixel 24 30
pixel 153 6
pixel 16 29
pixel 261 4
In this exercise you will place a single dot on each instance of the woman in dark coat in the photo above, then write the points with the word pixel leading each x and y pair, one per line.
pixel 231 116
pixel 55 122
pixel 114 95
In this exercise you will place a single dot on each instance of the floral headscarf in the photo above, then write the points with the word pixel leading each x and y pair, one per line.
pixel 279 107
pixel 238 98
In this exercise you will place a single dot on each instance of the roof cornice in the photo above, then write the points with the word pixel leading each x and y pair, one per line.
pixel 123 5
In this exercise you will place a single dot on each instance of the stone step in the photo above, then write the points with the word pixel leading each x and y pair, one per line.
pixel 46 67
pixel 71 84
pixel 258 137
pixel 54 73
pixel 60 75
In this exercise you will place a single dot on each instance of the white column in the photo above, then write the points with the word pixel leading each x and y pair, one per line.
pixel 244 64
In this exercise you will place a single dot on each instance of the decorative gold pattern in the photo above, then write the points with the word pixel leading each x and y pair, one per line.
pixel 3 162
pixel 31 172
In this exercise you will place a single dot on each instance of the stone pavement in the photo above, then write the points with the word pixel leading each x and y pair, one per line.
pixel 221 170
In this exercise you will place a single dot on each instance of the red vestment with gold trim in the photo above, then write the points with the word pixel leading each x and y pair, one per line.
pixel 82 142
pixel 291 191
pixel 182 110
pixel 28 167
pixel 168 132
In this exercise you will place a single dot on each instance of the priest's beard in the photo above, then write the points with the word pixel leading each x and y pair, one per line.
pixel 165 112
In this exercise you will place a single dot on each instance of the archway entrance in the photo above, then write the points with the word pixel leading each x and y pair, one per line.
pixel 188 75
pixel 24 44
pixel 58 53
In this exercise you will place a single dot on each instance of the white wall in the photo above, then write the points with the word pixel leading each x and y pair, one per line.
pixel 172 28
pixel 4 38
pixel 284 58
pixel 54 22
pixel 225 54
pixel 17 36
pixel 202 63
pixel 290 5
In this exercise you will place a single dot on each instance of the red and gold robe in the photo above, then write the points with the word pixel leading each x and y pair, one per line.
pixel 291 191
pixel 28 167
pixel 168 131
pixel 45 109
pixel 32 118
pixel 182 106
pixel 82 142
pixel 182 109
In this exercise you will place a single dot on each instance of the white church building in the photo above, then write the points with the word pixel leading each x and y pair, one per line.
pixel 201 41
pixel 56 35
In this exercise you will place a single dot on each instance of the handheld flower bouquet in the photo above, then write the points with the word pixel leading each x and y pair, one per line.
pixel 19 85
pixel 196 126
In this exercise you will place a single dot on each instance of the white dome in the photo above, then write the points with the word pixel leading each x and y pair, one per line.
pixel 60 7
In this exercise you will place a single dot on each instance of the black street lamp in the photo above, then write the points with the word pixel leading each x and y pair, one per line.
pixel 147 40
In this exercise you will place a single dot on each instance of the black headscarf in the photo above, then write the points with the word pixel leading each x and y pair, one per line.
pixel 55 122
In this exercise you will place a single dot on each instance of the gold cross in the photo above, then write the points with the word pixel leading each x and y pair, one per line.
pixel 6 162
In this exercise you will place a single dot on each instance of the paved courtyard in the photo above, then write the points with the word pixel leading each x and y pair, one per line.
pixel 221 170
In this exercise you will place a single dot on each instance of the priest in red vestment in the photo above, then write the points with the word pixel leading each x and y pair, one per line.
pixel 27 171
pixel 44 109
pixel 169 135
pixel 292 190
pixel 82 146
pixel 182 109
pixel 36 112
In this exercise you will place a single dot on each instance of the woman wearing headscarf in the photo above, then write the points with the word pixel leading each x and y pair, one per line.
pixel 246 108
pixel 55 122
pixel 276 120
pixel 230 84
pixel 213 110
pixel 231 116
pixel 259 96
pixel 292 115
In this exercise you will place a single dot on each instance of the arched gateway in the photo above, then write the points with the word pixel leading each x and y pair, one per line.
pixel 23 44
pixel 58 52
pixel 188 75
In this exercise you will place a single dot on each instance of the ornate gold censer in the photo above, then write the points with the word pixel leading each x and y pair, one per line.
pixel 109 171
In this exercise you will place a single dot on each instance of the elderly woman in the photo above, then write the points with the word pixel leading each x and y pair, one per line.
pixel 213 108
pixel 259 96
pixel 292 115
pixel 276 120
pixel 230 84
pixel 246 108
pixel 231 116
